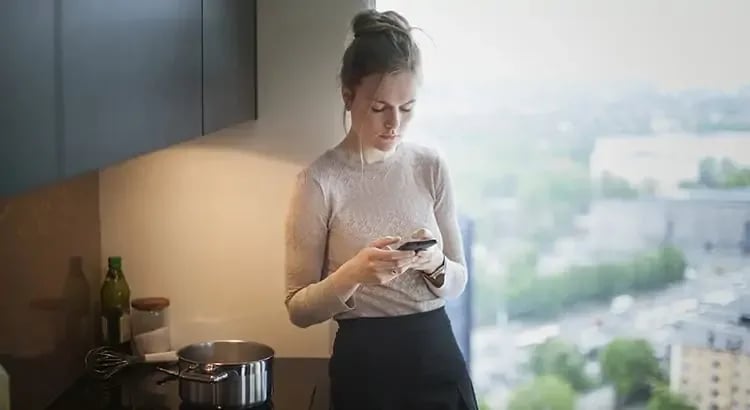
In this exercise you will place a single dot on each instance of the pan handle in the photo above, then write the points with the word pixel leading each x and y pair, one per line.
pixel 196 377
pixel 167 371
pixel 171 375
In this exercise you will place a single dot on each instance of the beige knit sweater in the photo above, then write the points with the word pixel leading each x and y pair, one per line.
pixel 340 205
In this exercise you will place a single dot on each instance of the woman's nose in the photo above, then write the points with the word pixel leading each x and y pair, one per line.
pixel 392 121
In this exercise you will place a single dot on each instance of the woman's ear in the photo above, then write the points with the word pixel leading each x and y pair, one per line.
pixel 348 96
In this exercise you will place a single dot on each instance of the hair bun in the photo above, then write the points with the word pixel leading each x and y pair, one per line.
pixel 373 22
pixel 382 44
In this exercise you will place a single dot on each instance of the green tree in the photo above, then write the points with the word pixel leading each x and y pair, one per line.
pixel 737 179
pixel 672 263
pixel 552 195
pixel 483 405
pixel 558 358
pixel 727 167
pixel 708 172
pixel 544 297
pixel 543 393
pixel 522 266
pixel 719 174
pixel 612 186
pixel 663 399
pixel 630 365
pixel 567 184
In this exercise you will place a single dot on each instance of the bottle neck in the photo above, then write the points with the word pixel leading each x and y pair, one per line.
pixel 114 273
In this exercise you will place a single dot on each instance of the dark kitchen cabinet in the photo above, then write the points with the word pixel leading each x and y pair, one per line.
pixel 29 89
pixel 86 84
pixel 131 73
pixel 229 63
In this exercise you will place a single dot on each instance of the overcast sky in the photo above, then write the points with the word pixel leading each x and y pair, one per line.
pixel 673 44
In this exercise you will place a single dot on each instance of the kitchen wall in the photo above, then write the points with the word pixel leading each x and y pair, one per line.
pixel 49 281
pixel 202 223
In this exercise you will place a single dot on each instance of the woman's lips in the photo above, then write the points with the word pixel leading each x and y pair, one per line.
pixel 388 137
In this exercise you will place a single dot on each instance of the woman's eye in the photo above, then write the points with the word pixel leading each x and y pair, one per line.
pixel 406 108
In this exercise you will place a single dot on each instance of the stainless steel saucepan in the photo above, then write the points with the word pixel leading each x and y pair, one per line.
pixel 225 373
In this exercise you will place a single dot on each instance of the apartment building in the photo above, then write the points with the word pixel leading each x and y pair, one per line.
pixel 709 359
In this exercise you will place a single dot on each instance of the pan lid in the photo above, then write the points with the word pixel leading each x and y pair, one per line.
pixel 225 352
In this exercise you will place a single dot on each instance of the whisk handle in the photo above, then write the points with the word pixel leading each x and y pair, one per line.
pixel 170 356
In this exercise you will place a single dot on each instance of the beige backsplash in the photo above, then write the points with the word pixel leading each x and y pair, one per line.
pixel 203 225
pixel 49 281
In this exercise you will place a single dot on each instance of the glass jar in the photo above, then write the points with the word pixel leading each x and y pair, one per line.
pixel 150 325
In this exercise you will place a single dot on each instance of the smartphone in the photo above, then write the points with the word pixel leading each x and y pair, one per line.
pixel 418 245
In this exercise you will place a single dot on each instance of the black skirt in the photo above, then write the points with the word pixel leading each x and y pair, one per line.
pixel 404 362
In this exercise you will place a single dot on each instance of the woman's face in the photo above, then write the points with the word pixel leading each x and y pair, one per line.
pixel 381 108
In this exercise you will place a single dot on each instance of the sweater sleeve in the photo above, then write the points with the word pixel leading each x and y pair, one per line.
pixel 310 298
pixel 456 274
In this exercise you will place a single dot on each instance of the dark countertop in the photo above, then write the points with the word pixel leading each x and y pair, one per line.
pixel 297 383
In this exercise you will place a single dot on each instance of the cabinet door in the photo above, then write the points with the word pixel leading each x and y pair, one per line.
pixel 131 73
pixel 28 88
pixel 229 63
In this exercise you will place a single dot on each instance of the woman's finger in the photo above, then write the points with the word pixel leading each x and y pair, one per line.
pixel 422 234
pixel 386 266
pixel 384 255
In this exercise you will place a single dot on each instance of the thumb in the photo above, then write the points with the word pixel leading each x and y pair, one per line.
pixel 383 242
pixel 422 233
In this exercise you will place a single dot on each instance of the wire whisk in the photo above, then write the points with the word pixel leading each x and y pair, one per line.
pixel 104 362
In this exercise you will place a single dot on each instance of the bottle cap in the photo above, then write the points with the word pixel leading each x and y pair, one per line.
pixel 114 261
pixel 150 304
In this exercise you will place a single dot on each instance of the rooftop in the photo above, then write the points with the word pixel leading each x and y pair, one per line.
pixel 720 328
pixel 721 195
pixel 719 337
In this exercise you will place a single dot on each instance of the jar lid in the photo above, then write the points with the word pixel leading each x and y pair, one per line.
pixel 150 304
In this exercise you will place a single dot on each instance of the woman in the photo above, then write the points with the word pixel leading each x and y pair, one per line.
pixel 394 348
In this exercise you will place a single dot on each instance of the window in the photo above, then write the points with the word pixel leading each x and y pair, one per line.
pixel 592 161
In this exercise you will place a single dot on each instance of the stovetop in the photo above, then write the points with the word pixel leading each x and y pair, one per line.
pixel 298 384
pixel 267 406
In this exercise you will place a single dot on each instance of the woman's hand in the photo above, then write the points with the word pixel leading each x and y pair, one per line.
pixel 429 259
pixel 378 264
